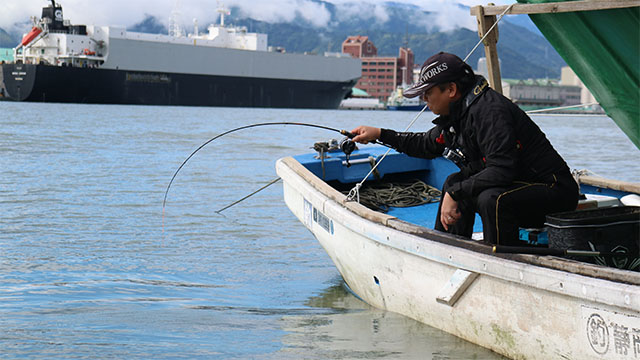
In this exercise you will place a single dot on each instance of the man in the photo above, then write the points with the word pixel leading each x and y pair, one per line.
pixel 509 172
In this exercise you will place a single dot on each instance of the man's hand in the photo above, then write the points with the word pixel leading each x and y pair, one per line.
pixel 366 134
pixel 449 213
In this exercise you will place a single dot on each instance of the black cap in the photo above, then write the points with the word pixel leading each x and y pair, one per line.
pixel 440 68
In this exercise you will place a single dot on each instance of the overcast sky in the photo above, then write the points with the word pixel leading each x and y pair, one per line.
pixel 129 12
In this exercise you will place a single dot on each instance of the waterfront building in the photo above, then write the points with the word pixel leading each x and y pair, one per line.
pixel 380 74
pixel 360 100
pixel 539 93
pixel 568 77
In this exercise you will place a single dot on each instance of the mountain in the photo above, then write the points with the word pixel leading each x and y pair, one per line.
pixel 525 22
pixel 6 40
pixel 523 52
pixel 150 25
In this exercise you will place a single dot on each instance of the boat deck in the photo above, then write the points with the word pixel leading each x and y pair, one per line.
pixel 425 215
pixel 433 172
pixel 343 176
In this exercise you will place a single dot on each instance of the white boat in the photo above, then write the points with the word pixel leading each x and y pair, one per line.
pixel 522 306
pixel 398 102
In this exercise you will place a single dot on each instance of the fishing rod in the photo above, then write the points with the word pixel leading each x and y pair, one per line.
pixel 499 249
pixel 342 132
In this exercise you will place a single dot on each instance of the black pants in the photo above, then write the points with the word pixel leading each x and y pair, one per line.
pixel 506 209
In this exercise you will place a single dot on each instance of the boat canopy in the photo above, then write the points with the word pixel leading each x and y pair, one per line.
pixel 603 49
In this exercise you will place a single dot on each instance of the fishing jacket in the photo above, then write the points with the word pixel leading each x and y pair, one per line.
pixel 492 140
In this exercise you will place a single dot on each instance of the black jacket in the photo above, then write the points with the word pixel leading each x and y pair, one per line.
pixel 500 143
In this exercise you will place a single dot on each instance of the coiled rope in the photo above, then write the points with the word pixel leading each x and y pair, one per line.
pixel 382 196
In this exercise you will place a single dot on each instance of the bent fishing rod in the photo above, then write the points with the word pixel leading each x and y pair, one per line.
pixel 342 132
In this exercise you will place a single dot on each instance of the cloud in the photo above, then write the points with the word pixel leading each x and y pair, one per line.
pixel 315 13
pixel 444 14
pixel 444 17
pixel 362 10
pixel 15 12
pixel 284 11
pixel 126 12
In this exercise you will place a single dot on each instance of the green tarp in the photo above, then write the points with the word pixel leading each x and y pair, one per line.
pixel 603 49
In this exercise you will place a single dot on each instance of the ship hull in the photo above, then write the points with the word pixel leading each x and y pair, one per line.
pixel 45 83
pixel 405 107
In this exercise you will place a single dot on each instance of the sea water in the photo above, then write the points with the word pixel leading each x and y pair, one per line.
pixel 90 267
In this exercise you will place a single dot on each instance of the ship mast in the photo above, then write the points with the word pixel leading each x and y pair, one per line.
pixel 175 29
pixel 221 9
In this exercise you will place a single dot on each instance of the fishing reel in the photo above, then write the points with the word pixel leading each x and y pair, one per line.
pixel 455 155
pixel 347 146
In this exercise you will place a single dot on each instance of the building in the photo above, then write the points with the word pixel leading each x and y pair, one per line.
pixel 568 77
pixel 540 93
pixel 380 75
pixel 360 100
pixel 483 68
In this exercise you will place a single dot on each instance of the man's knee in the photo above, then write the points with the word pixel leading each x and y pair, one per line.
pixel 452 179
pixel 486 200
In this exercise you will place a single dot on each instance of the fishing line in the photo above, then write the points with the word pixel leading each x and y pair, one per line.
pixel 164 201
pixel 248 196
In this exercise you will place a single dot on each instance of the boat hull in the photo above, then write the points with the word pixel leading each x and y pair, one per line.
pixel 405 107
pixel 514 308
pixel 44 83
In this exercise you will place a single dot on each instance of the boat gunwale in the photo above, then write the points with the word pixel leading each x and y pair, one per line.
pixel 609 183
pixel 480 247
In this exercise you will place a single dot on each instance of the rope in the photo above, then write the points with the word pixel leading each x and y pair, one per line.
pixel 561 108
pixel 354 192
pixel 488 32
pixel 382 196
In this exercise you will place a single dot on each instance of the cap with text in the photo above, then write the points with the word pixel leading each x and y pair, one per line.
pixel 440 68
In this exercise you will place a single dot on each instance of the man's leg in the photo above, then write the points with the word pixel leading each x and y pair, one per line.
pixel 505 210
pixel 464 226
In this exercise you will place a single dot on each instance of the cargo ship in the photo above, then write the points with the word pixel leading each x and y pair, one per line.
pixel 226 66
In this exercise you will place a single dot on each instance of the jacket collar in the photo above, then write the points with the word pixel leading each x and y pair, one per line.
pixel 460 107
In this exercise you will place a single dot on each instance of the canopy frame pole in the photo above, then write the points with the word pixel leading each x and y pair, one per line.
pixel 485 22
pixel 555 7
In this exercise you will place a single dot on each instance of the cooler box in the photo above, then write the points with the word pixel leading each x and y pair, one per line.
pixel 606 229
